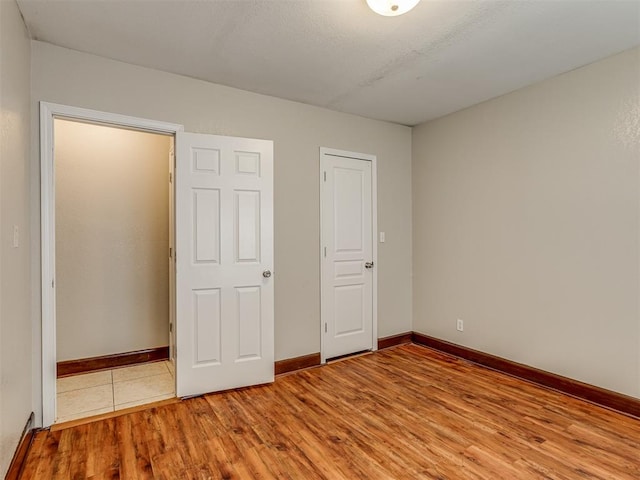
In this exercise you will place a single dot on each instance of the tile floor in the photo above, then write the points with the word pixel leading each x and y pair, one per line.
pixel 94 393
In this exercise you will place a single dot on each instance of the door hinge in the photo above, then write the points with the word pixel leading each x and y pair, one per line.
pixel 325 176
pixel 325 327
pixel 170 252
pixel 325 252
pixel 170 327
pixel 172 161
pixel 53 283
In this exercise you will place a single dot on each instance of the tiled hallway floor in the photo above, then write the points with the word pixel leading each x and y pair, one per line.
pixel 95 393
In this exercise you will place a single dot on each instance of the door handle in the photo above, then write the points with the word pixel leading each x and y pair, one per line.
pixel 368 265
pixel 266 273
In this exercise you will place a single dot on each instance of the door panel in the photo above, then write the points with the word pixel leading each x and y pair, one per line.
pixel 206 208
pixel 249 322
pixel 224 203
pixel 207 335
pixel 349 309
pixel 347 286
pixel 348 204
pixel 247 226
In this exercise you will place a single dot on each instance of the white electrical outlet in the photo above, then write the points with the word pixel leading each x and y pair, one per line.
pixel 382 237
pixel 16 236
pixel 460 326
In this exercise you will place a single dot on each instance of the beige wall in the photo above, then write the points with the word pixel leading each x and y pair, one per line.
pixel 298 130
pixel 112 240
pixel 526 225
pixel 15 325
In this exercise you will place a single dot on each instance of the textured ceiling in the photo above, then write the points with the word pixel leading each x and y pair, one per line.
pixel 440 57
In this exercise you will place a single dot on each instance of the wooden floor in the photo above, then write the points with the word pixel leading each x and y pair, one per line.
pixel 402 413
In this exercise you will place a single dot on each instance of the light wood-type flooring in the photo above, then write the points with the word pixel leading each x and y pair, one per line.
pixel 403 413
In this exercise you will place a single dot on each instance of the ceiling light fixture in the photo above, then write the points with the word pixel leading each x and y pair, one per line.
pixel 391 8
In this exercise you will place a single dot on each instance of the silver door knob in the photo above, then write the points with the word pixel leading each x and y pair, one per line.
pixel 368 265
pixel 266 273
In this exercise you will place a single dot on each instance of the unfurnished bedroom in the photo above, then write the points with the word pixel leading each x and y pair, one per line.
pixel 320 239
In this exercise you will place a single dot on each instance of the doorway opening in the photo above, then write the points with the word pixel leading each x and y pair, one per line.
pixel 108 262
pixel 112 238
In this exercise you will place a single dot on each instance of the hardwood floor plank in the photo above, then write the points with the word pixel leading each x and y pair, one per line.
pixel 403 413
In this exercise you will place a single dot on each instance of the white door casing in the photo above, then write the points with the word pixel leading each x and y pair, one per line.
pixel 348 253
pixel 224 256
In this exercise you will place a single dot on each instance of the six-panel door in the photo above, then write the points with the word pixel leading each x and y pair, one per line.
pixel 224 246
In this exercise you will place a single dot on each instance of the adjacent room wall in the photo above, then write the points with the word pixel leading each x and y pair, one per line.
pixel 526 225
pixel 73 78
pixel 15 324
pixel 112 240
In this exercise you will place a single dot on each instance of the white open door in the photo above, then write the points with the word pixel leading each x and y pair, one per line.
pixel 348 253
pixel 224 257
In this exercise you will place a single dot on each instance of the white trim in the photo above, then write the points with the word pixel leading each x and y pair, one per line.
pixel 49 111
pixel 323 358
pixel 374 237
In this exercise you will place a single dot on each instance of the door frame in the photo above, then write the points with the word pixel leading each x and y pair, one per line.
pixel 49 112
pixel 374 239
